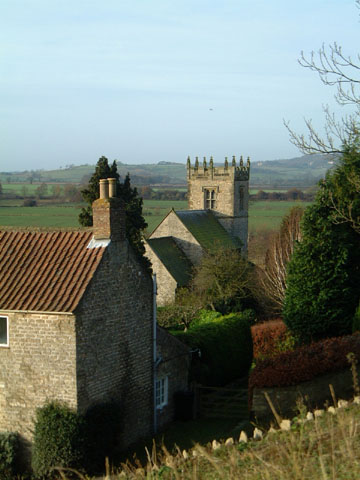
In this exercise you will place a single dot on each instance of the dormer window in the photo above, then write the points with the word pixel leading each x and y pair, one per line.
pixel 210 199
pixel 4 331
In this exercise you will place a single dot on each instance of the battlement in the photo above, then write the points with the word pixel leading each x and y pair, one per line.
pixel 205 170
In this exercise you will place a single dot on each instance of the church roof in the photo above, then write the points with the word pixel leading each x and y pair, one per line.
pixel 207 230
pixel 45 271
pixel 172 258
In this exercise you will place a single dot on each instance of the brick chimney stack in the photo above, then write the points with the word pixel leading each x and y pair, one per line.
pixel 108 213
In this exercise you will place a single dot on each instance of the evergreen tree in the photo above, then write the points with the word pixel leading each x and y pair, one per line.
pixel 324 273
pixel 135 222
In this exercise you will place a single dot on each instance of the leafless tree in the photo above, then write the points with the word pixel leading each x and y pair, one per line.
pixel 273 276
pixel 341 71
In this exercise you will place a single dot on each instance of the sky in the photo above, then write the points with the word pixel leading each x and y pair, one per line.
pixel 143 81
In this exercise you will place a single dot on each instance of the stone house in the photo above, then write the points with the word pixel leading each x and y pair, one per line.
pixel 218 200
pixel 76 322
pixel 172 371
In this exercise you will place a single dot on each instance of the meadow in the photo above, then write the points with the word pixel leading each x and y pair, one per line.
pixel 263 215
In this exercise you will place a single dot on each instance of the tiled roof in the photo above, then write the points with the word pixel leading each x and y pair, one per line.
pixel 207 230
pixel 173 258
pixel 45 271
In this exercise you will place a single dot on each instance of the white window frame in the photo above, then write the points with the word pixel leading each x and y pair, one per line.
pixel 5 345
pixel 163 396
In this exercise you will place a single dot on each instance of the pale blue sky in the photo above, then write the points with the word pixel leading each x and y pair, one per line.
pixel 135 80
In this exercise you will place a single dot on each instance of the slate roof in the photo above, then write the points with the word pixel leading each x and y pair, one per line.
pixel 172 258
pixel 45 271
pixel 207 230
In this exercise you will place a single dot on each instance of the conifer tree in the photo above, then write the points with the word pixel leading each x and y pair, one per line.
pixel 135 222
pixel 324 273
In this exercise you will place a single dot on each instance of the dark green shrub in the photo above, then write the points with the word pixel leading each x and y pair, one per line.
pixel 226 348
pixel 205 316
pixel 9 445
pixel 58 438
pixel 356 320
pixel 323 274
pixel 103 425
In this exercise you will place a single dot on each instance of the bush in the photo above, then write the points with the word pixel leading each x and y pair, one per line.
pixel 9 445
pixel 103 424
pixel 58 438
pixel 270 338
pixel 304 363
pixel 226 348
pixel 205 316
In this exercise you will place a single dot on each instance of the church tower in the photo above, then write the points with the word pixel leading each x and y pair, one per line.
pixel 223 190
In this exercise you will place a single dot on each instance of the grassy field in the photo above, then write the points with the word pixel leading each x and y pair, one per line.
pixel 267 215
pixel 264 215
pixel 42 216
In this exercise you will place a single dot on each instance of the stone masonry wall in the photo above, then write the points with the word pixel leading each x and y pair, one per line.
pixel 39 365
pixel 232 199
pixel 114 348
pixel 172 226
pixel 175 365
pixel 166 284
pixel 224 190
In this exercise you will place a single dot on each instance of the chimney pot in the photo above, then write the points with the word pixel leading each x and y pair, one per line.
pixel 112 187
pixel 104 188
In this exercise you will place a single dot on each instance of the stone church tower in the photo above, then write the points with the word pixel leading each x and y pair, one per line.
pixel 223 190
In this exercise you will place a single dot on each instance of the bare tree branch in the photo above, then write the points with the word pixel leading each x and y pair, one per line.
pixel 335 69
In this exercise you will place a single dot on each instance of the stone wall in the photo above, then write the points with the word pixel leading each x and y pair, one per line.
pixel 172 226
pixel 114 347
pixel 39 365
pixel 175 365
pixel 232 198
pixel 314 394
pixel 166 284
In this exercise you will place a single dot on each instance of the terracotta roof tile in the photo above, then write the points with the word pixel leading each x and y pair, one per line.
pixel 45 271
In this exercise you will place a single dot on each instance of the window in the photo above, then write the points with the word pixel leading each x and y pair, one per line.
pixel 4 332
pixel 210 200
pixel 161 392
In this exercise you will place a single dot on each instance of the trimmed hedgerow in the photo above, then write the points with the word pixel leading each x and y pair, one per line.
pixel 304 363
pixel 225 344
pixel 9 445
pixel 267 337
pixel 58 438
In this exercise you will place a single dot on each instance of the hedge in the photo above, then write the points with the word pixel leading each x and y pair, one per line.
pixel 267 337
pixel 9 445
pixel 226 348
pixel 304 363
pixel 58 438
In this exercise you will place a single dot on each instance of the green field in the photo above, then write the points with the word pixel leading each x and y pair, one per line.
pixel 264 215
pixel 267 215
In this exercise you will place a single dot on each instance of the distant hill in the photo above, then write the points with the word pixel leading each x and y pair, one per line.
pixel 300 171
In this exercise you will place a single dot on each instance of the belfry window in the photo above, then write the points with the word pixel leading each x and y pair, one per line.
pixel 210 199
